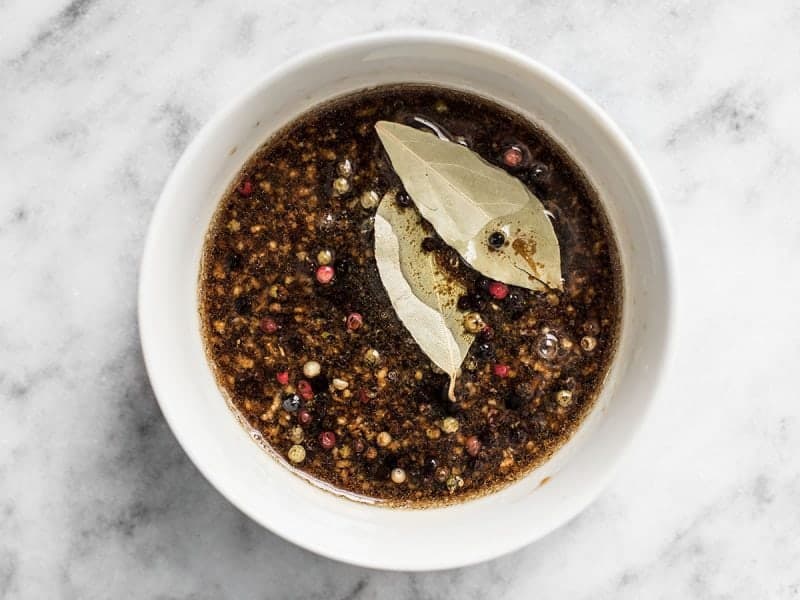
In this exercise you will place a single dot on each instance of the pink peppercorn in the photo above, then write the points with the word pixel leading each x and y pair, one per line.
pixel 500 370
pixel 282 377
pixel 268 325
pixel 512 157
pixel 304 389
pixel 327 439
pixel 325 274
pixel 246 188
pixel 498 290
pixel 354 321
pixel 473 445
pixel 303 416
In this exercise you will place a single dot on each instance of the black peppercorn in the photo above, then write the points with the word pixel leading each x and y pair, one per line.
pixel 429 244
pixel 497 239
pixel 403 199
pixel 292 402
pixel 513 401
pixel 243 305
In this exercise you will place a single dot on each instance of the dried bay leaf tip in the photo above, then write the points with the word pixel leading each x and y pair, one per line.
pixel 423 296
pixel 469 202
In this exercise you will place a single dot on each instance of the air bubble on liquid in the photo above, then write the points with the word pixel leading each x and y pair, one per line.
pixel 547 346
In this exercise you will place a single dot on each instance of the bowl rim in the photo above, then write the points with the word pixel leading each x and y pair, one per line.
pixel 497 51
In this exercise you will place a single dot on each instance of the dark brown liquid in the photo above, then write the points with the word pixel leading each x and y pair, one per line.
pixel 265 314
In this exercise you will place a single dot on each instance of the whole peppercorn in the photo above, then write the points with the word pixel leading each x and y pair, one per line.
pixel 473 445
pixel 245 188
pixel 473 322
pixel 398 475
pixel 304 389
pixel 512 157
pixel 369 199
pixel 384 439
pixel 588 343
pixel 311 369
pixel 297 454
pixel 291 402
pixel 403 199
pixel 268 325
pixel 327 439
pixel 372 357
pixel 450 425
pixel 345 168
pixel 324 257
pixel 341 186
pixel 282 377
pixel 354 321
pixel 496 239
pixel 428 244
pixel 513 402
pixel 325 274
pixel 498 290
pixel 564 398
pixel 303 416
pixel 500 370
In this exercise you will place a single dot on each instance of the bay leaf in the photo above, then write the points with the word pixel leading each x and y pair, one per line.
pixel 466 200
pixel 423 296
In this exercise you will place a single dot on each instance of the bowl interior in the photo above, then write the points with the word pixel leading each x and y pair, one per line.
pixel 267 491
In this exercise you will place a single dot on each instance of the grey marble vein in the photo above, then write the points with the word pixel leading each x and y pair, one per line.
pixel 98 98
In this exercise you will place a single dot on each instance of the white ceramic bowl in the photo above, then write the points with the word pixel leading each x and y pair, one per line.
pixel 264 489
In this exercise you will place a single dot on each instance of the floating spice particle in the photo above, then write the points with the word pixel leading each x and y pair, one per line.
pixel 450 425
pixel 291 402
pixel 372 357
pixel 354 321
pixel 268 325
pixel 245 188
pixel 324 257
pixel 473 322
pixel 442 474
pixel 345 168
pixel 341 185
pixel 282 377
pixel 327 439
pixel 325 274
pixel 311 369
pixel 297 454
pixel 564 398
pixel 340 384
pixel 369 199
pixel 498 290
pixel 398 475
pixel 588 343
pixel 384 439
pixel 500 370
pixel 473 445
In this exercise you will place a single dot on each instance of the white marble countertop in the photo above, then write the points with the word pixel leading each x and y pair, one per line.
pixel 97 100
